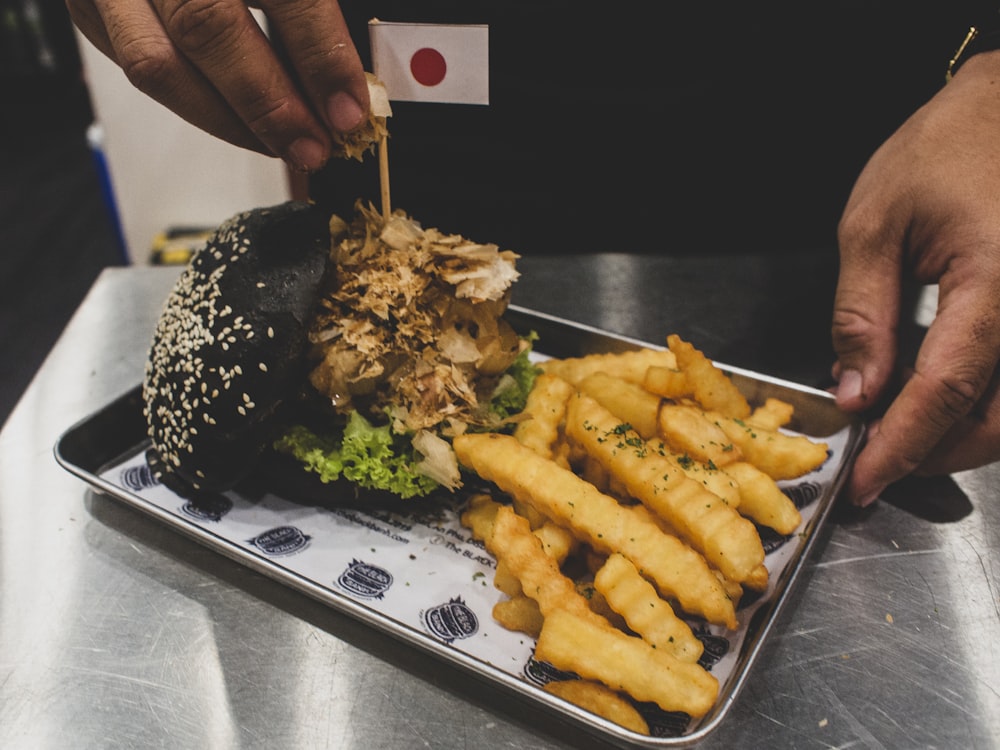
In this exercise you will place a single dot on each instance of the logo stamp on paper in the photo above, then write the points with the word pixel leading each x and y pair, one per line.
pixel 542 673
pixel 281 541
pixel 803 493
pixel 138 477
pixel 208 507
pixel 451 621
pixel 716 646
pixel 365 580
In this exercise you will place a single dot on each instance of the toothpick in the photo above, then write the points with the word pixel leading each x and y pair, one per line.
pixel 383 172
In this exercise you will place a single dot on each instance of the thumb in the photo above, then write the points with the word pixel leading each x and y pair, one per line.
pixel 866 315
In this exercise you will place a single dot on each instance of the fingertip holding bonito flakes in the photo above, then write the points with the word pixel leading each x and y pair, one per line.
pixel 630 500
pixel 364 139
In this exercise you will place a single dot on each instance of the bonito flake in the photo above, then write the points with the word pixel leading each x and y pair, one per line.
pixel 412 326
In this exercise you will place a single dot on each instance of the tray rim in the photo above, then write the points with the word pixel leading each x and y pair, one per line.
pixel 478 668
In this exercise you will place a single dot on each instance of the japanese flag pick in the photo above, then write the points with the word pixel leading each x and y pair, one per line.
pixel 425 62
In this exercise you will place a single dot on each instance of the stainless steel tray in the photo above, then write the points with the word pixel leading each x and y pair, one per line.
pixel 417 575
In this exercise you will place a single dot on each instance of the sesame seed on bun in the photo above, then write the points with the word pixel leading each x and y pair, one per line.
pixel 229 347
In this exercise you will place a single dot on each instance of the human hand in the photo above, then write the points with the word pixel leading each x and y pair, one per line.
pixel 926 207
pixel 210 62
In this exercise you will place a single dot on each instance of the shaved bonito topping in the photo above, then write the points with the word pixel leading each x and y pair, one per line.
pixel 357 143
pixel 413 323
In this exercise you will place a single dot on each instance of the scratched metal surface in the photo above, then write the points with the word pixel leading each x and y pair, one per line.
pixel 117 632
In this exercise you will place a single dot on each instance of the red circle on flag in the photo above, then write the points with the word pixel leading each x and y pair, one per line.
pixel 428 66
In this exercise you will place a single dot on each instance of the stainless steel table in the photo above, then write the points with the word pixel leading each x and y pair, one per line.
pixel 117 632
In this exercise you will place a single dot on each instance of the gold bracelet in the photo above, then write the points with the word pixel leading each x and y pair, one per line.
pixel 956 59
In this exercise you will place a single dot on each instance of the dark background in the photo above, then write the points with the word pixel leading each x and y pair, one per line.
pixel 738 130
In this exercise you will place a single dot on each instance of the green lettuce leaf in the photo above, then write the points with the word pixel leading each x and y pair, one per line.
pixel 369 456
pixel 376 458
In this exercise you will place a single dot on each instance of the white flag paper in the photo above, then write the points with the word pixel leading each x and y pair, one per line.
pixel 423 62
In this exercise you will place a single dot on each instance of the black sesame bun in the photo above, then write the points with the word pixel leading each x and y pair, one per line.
pixel 229 346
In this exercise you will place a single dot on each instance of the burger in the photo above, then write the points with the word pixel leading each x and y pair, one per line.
pixel 352 348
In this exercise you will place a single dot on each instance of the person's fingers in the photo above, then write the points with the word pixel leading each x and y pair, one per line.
pixel 936 401
pixel 131 34
pixel 319 46
pixel 87 19
pixel 223 40
pixel 866 310
pixel 973 441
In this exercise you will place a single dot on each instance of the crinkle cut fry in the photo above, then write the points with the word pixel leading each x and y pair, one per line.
pixel 627 663
pixel 599 699
pixel 513 544
pixel 712 388
pixel 728 540
pixel 630 365
pixel 545 407
pixel 636 600
pixel 679 571
pixel 777 454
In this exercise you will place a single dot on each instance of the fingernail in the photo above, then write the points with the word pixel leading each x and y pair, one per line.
pixel 306 154
pixel 344 112
pixel 849 387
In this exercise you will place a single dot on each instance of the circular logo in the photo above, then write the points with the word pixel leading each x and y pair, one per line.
pixel 451 621
pixel 716 646
pixel 542 673
pixel 281 540
pixel 428 66
pixel 804 493
pixel 364 580
pixel 138 477
pixel 209 506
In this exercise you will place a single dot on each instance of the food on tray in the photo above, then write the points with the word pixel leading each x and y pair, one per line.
pixel 727 540
pixel 612 539
pixel 228 347
pixel 360 347
pixel 376 352
pixel 626 662
pixel 629 594
pixel 599 520
pixel 601 700
pixel 710 387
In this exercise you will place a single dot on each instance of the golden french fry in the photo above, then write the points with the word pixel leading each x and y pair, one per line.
pixel 599 520
pixel 762 500
pixel 505 581
pixel 711 386
pixel 727 540
pixel 733 589
pixel 635 599
pixel 478 517
pixel 479 514
pixel 688 430
pixel 594 472
pixel 667 382
pixel 630 365
pixel 757 581
pixel 628 401
pixel 535 519
pixel 777 454
pixel 520 613
pixel 545 407
pixel 557 542
pixel 598 603
pixel 624 662
pixel 716 480
pixel 772 414
pixel 513 544
pixel 601 700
